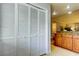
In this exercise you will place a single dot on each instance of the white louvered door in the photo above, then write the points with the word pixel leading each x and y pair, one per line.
pixel 34 31
pixel 23 41
pixel 42 32
pixel 7 29
pixel 22 30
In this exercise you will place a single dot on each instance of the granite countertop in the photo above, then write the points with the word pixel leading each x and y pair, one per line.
pixel 70 32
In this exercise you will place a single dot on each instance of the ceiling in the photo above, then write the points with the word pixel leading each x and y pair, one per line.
pixel 61 8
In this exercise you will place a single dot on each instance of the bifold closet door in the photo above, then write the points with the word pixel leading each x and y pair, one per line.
pixel 31 26
pixel 42 32
pixel 23 41
pixel 34 32
pixel 7 29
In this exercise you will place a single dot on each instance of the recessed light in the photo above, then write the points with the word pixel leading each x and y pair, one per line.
pixel 54 13
pixel 68 7
pixel 69 12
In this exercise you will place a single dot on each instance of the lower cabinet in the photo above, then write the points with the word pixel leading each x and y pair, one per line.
pixel 76 43
pixel 58 39
pixel 65 40
pixel 69 40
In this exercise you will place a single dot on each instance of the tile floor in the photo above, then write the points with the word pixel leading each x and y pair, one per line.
pixel 58 51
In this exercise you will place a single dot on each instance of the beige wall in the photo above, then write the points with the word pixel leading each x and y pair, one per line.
pixel 73 18
pixel 67 19
pixel 53 27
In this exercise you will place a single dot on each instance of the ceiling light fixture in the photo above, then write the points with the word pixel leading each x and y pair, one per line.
pixel 68 7
pixel 54 13
pixel 70 12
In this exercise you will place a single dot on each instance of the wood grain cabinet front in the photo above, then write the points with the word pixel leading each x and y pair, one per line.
pixel 69 42
pixel 76 43
pixel 64 41
pixel 58 39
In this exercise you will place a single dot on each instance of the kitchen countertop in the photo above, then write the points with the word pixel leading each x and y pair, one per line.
pixel 69 32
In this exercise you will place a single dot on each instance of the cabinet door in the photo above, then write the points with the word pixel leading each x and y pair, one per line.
pixel 42 32
pixel 76 43
pixel 34 32
pixel 64 41
pixel 7 29
pixel 67 39
pixel 69 42
pixel 58 39
pixel 23 41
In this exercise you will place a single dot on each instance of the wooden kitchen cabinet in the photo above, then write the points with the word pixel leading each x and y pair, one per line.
pixel 58 39
pixel 76 43
pixel 64 41
pixel 69 42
